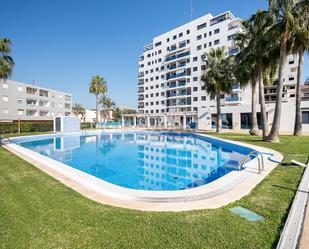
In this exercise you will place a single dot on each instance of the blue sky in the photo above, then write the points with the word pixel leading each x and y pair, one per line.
pixel 61 43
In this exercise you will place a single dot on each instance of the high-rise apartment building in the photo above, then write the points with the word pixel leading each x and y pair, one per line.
pixel 169 78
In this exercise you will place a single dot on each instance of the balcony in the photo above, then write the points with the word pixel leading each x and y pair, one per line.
pixel 140 75
pixel 140 90
pixel 141 97
pixel 148 47
pixel 177 56
pixel 140 82
pixel 175 75
pixel 233 100
pixel 221 18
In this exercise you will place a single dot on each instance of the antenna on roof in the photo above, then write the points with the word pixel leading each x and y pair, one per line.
pixel 191 9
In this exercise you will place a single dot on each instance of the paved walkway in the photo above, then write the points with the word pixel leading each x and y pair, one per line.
pixel 304 244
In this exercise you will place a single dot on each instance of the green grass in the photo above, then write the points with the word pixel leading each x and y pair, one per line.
pixel 36 211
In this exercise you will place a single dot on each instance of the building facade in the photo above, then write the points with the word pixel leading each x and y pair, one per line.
pixel 169 79
pixel 29 102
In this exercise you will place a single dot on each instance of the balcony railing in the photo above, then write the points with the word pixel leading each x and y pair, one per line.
pixel 173 57
pixel 233 99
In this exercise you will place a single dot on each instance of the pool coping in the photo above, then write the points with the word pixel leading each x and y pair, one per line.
pixel 226 189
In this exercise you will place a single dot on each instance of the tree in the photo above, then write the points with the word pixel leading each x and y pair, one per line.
pixel 97 86
pixel 245 71
pixel 218 77
pixel 285 17
pixel 300 43
pixel 107 103
pixel 6 61
pixel 259 57
pixel 78 109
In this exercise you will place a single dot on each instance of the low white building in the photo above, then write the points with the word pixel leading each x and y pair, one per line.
pixel 24 101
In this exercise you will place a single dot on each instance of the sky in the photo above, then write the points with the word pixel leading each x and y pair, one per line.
pixel 61 44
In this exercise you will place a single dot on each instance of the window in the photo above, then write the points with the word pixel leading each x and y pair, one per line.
pixel 291 62
pixel 205 35
pixel 5 98
pixel 168 39
pixel 188 31
pixel 217 31
pixel 203 88
pixel 201 26
pixel 203 98
pixel 291 78
pixel 5 111
pixel 194 69
pixel 226 119
pixel 188 41
pixel 209 44
pixel 174 37
pixel 5 86
pixel 19 88
pixel 19 101
pixel 60 105
pixel 20 111
pixel 194 58
pixel 305 117
pixel 180 35
pixel 195 109
pixel 245 120
pixel 205 45
pixel 217 42
pixel 194 78
pixel 194 89
pixel 158 44
pixel 195 99
pixel 230 37
pixel 199 37
pixel 199 47
pixel 210 33
pixel 293 69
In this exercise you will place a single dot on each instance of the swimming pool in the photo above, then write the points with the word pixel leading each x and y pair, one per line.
pixel 153 161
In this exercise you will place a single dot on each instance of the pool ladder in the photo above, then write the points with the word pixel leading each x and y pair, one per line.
pixel 258 155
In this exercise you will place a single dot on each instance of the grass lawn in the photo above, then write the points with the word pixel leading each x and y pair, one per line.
pixel 37 211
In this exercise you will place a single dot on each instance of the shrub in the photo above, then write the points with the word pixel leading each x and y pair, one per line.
pixel 85 125
pixel 42 126
pixel 6 127
pixel 25 127
pixel 12 127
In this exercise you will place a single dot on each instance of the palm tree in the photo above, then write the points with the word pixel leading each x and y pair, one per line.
pixel 218 77
pixel 78 109
pixel 97 86
pixel 245 71
pixel 300 43
pixel 107 103
pixel 285 17
pixel 6 61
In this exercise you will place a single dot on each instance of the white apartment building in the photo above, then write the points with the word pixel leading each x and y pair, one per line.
pixel 170 90
pixel 30 102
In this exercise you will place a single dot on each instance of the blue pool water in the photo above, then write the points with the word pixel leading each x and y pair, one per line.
pixel 143 160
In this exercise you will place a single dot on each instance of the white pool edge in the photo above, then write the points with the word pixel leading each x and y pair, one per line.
pixel 226 189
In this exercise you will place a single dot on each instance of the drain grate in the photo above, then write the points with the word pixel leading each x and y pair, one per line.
pixel 246 213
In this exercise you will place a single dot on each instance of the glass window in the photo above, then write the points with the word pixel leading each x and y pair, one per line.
pixel 305 117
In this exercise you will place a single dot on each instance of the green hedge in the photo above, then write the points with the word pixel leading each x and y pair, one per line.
pixel 86 125
pixel 6 127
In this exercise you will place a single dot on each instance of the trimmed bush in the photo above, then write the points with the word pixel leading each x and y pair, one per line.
pixel 85 125
pixel 42 127
pixel 25 127
pixel 7 127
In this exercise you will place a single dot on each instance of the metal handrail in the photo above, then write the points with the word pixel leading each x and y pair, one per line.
pixel 253 153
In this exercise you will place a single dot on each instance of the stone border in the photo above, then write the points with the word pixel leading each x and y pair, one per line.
pixel 292 232
pixel 220 192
